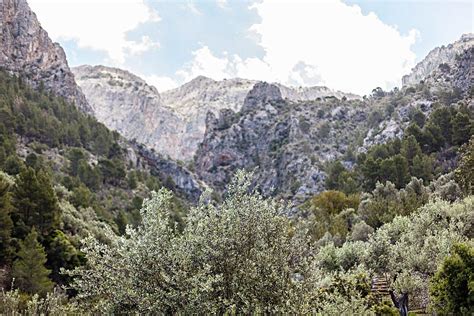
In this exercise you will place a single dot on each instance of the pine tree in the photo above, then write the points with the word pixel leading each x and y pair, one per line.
pixel 6 223
pixel 461 129
pixel 35 204
pixel 410 148
pixel 28 270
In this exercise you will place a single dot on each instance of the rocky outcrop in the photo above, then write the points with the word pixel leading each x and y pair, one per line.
pixel 289 143
pixel 313 93
pixel 26 50
pixel 444 55
pixel 446 85
pixel 193 100
pixel 184 182
pixel 286 143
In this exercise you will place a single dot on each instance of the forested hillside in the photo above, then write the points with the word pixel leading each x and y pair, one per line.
pixel 64 176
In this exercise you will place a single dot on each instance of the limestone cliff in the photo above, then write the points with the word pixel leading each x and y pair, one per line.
pixel 26 50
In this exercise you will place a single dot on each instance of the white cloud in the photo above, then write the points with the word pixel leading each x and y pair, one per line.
pixel 97 24
pixel 316 42
pixel 160 83
pixel 145 44
pixel 204 63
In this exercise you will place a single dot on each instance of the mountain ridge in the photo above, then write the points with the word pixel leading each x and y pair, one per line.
pixel 184 108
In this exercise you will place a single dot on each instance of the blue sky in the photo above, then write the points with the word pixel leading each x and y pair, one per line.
pixel 348 45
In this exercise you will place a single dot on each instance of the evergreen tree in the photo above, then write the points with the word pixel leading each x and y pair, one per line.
pixel 452 286
pixel 6 223
pixel 401 175
pixel 35 204
pixel 29 271
pixel 461 128
pixel 441 117
pixel 61 254
pixel 464 173
pixel 410 148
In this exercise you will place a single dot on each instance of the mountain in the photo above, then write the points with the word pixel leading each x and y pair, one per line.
pixel 439 55
pixel 125 103
pixel 26 49
pixel 173 122
pixel 289 144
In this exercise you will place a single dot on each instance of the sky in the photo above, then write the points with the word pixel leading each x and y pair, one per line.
pixel 348 45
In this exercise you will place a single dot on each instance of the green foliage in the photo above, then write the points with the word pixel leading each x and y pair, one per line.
pixel 464 173
pixel 462 128
pixel 28 270
pixel 54 303
pixel 81 196
pixel 61 254
pixel 452 287
pixel 6 224
pixel 242 256
pixel 339 178
pixel 329 213
pixel 35 204
pixel 385 202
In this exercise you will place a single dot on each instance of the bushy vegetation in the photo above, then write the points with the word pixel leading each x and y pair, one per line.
pixel 427 150
pixel 245 255
pixel 75 237
pixel 63 176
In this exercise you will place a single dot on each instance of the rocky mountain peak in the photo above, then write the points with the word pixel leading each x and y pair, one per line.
pixel 445 54
pixel 261 94
pixel 27 50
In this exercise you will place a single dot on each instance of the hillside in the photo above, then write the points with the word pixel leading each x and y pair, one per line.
pixel 291 143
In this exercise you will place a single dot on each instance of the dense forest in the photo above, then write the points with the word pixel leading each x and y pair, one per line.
pixel 391 233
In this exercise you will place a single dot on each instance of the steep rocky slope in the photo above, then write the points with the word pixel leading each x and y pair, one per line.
pixel 291 142
pixel 26 49
pixel 125 103
pixel 439 55
pixel 173 123
pixel 27 52
pixel 287 141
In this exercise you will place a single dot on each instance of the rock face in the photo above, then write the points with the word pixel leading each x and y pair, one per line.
pixel 26 49
pixel 313 93
pixel 185 182
pixel 193 100
pixel 125 103
pixel 174 122
pixel 436 57
pixel 288 142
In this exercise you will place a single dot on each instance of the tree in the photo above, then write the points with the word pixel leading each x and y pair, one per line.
pixel 422 167
pixel 35 204
pixel 441 117
pixel 464 173
pixel 6 224
pixel 242 256
pixel 75 155
pixel 462 128
pixel 29 271
pixel 452 285
pixel 333 212
pixel 61 254
pixel 410 148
